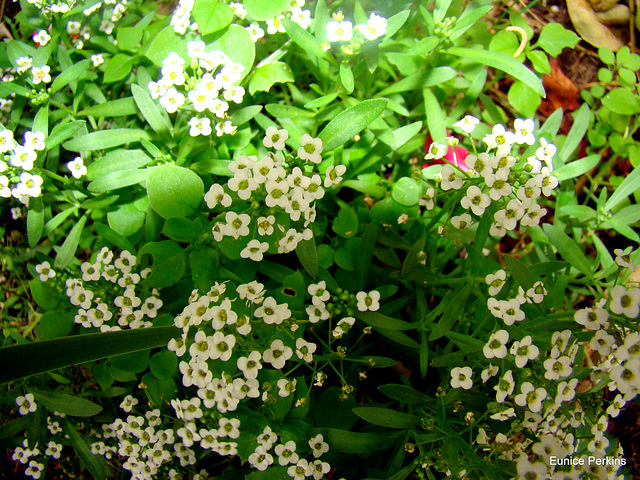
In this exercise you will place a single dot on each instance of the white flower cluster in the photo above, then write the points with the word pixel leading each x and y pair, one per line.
pixel 24 454
pixel 117 279
pixel 203 90
pixel 271 194
pixel 498 177
pixel 16 162
pixel 181 19
pixel 274 25
pixel 340 30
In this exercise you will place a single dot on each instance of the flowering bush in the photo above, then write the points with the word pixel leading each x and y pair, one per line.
pixel 242 267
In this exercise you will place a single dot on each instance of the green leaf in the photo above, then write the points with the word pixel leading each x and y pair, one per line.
pixel 630 185
pixel 164 364
pixel 94 463
pixel 404 393
pixel 105 139
pixel 435 117
pixel 320 101
pixel 119 179
pixel 451 314
pixel 169 263
pixel 39 357
pixel 68 249
pixel 379 320
pixel 211 15
pixel 523 99
pixel 242 116
pixel 126 219
pixel 539 61
pixel 150 110
pixel 236 42
pixel 501 62
pixel 468 18
pixel 346 76
pixel 265 9
pixel 577 167
pixel 35 221
pixel 115 238
pixel 10 429
pixel 346 223
pixel 520 272
pixel 398 137
pixel 581 120
pixel 424 46
pixel 305 40
pixel 406 191
pixel 351 122
pixel 174 191
pixel 129 38
pixel 396 22
pixel 411 261
pixel 164 42
pixel 567 248
pixel 386 417
pixel 115 161
pixel 69 404
pixel 61 132
pixel 622 101
pixel 75 72
pixel 266 76
pixel 349 442
pixel 422 79
pixel 117 68
pixel 554 38
pixel 113 108
pixel 308 256
pixel 365 254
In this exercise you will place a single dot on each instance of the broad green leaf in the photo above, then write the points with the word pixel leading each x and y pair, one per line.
pixel 75 72
pixel 105 139
pixel 211 15
pixel 351 122
pixel 305 40
pixel 39 357
pixel 404 393
pixel 266 76
pixel 264 9
pixel 164 364
pixel 271 473
pixel 422 79
pixel 119 179
pixel 577 167
pixel 64 403
pixel 622 100
pixel 164 42
pixel 35 221
pixel 346 223
pixel 174 191
pixel 62 132
pixel 115 161
pixel 242 116
pixel 150 110
pixel 630 184
pixel 502 62
pixel 386 417
pixel 135 362
pixel 398 137
pixel 182 229
pixel 539 61
pixel 406 191
pixel 129 38
pixel 68 249
pixel 308 256
pixel 554 38
pixel 96 465
pixel 113 108
pixel 379 320
pixel 346 77
pixel 117 68
pixel 567 248
pixel 581 120
pixel 523 99
pixel 126 219
pixel 169 263
pixel 349 442
pixel 236 42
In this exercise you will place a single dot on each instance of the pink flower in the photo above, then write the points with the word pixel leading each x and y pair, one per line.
pixel 458 160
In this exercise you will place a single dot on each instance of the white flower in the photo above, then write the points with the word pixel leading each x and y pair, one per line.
pixel 7 142
pixel 260 459
pixel 591 318
pixel 524 351
pixel 172 100
pixel 500 139
pixel 436 151
pixel 496 346
pixel 97 59
pixel 199 126
pixel 476 200
pixel 41 37
pixel 375 27
pixel 319 291
pixel 301 17
pixel 546 152
pixel 41 74
pixel 462 222
pixel 496 281
pixel 286 387
pixel 274 25
pixel 531 397
pixel 450 179
pixel 45 271
pixel 23 157
pixel 250 365
pixel 26 403
pixel 339 31
pixel 77 167
pixel 368 301
pixel 286 453
pixel 311 148
pixel 318 445
pixel 254 250
pixel 467 124
pixel 333 174
pixel 34 140
pixel 304 350
pixel 524 131
pixel 216 196
pixel 462 377
pixel 222 346
pixel 277 354
pixel 271 312
pixel 623 258
pixel 255 32
pixel 625 301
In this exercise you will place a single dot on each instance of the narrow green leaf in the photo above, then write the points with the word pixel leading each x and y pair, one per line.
pixel 14 427
pixel 115 238
pixel 581 120
pixel 305 40
pixel 385 417
pixel 150 110
pixel 68 249
pixel 349 442
pixel 69 404
pixel 62 132
pixel 451 314
pixel 626 188
pixel 41 120
pixel 468 18
pixel 115 161
pixel 94 463
pixel 113 108
pixel 435 117
pixel 351 122
pixel 396 22
pixel 424 46
pixel 346 77
pixel 35 221
pixel 105 139
pixel 422 79
pixel 39 357
pixel 379 320
pixel 577 167
pixel 404 393
pixel 520 272
pixel 308 256
pixel 502 62
pixel 567 248
pixel 320 101
pixel 399 136
pixel 118 68
pixel 412 258
pixel 442 6
pixel 365 254
pixel 75 72
pixel 119 179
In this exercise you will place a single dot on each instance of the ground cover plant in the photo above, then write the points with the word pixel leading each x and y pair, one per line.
pixel 288 239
